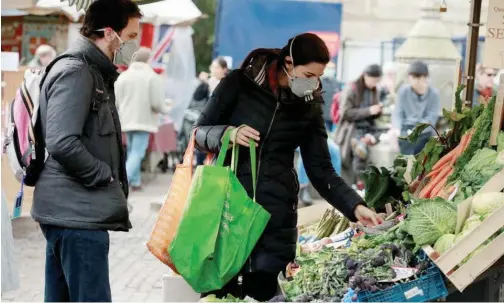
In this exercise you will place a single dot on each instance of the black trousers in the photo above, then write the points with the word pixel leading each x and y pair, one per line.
pixel 260 286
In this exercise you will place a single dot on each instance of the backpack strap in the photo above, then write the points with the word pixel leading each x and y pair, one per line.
pixel 98 89
pixel 53 62
pixel 98 82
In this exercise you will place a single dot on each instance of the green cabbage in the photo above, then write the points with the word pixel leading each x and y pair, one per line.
pixel 472 222
pixel 500 142
pixel 487 203
pixel 444 243
pixel 428 220
pixel 500 158
pixel 462 235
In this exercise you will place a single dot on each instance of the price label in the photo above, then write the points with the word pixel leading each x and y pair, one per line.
pixel 493 55
pixel 415 291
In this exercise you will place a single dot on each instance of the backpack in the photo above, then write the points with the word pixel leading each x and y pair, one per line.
pixel 335 107
pixel 335 114
pixel 24 143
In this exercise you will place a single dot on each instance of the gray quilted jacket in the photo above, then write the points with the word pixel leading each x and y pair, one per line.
pixel 83 138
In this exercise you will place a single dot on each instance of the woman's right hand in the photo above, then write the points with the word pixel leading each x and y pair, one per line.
pixel 376 109
pixel 242 135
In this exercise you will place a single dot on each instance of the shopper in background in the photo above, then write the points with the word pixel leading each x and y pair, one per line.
pixel 360 106
pixel 274 99
pixel 388 83
pixel 484 89
pixel 10 273
pixel 82 190
pixel 140 98
pixel 44 55
pixel 218 70
pixel 417 102
pixel 329 88
pixel 304 180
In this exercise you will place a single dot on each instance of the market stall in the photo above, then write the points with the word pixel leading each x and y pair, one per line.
pixel 441 227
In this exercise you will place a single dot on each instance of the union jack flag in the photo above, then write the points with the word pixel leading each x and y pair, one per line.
pixel 163 45
pixel 159 39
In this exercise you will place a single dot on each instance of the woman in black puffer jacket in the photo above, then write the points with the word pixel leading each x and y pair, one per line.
pixel 274 99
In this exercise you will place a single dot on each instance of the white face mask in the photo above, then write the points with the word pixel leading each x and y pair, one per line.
pixel 301 87
pixel 125 51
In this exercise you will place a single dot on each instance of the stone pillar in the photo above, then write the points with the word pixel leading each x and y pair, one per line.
pixel 430 41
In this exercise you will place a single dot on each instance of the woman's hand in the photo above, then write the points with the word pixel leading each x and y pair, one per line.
pixel 376 109
pixel 243 134
pixel 366 216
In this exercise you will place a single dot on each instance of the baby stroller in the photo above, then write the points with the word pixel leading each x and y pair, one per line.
pixel 183 136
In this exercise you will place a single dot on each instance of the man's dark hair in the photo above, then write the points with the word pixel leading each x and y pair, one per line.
pixel 418 69
pixel 108 13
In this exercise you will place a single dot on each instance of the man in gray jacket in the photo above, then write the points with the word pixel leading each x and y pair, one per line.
pixel 82 190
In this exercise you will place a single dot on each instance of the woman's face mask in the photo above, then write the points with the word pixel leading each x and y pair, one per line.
pixel 302 87
pixel 125 51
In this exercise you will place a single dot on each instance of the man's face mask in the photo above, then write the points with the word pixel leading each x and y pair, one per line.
pixel 125 51
pixel 301 87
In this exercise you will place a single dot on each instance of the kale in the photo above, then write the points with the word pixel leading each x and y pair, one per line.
pixel 381 187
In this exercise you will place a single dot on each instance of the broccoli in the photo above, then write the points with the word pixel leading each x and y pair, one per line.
pixel 351 264
pixel 378 261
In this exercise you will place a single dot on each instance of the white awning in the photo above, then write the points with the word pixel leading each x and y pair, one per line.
pixel 170 12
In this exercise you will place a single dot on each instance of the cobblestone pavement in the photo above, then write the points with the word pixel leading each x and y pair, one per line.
pixel 135 275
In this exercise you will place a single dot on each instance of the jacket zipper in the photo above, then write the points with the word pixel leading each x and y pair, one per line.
pixel 262 145
pixel 264 141
pixel 260 156
pixel 296 180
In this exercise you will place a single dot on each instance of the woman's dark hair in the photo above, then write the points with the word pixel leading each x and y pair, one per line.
pixel 306 48
pixel 222 62
pixel 108 13
pixel 373 70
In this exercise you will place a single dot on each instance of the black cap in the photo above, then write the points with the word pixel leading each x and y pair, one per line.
pixel 373 70
pixel 418 68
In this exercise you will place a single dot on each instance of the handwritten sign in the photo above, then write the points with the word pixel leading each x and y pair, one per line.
pixel 493 55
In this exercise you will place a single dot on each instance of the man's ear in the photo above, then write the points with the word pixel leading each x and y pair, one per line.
pixel 109 34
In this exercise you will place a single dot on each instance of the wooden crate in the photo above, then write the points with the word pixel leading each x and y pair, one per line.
pixel 463 276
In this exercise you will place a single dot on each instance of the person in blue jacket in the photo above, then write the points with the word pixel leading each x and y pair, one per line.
pixel 417 102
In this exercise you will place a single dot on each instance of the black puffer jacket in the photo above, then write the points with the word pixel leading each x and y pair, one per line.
pixel 285 123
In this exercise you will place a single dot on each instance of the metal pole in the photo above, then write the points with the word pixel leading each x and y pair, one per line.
pixel 472 49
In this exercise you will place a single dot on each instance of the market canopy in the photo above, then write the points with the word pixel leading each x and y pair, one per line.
pixel 80 4
pixel 155 11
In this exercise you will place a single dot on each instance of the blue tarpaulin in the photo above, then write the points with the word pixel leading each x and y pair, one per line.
pixel 243 25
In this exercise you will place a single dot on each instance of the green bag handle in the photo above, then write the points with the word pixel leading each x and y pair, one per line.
pixel 226 140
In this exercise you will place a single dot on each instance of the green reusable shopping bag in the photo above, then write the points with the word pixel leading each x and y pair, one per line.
pixel 220 225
